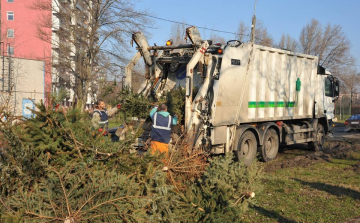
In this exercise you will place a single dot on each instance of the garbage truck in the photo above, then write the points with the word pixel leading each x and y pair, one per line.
pixel 242 97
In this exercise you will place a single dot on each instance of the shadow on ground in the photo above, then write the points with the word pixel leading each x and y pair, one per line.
pixel 272 214
pixel 334 190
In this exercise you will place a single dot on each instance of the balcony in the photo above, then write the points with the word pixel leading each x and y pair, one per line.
pixel 79 6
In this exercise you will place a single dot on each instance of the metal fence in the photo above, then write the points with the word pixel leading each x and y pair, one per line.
pixel 344 108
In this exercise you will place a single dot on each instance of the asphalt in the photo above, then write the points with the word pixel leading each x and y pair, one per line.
pixel 339 132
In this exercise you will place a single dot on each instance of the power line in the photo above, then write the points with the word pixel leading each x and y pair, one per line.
pixel 200 27
pixel 215 30
pixel 182 23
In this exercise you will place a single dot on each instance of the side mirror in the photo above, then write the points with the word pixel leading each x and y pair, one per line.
pixel 321 70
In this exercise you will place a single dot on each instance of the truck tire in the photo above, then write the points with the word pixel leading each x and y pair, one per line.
pixel 270 146
pixel 246 147
pixel 317 145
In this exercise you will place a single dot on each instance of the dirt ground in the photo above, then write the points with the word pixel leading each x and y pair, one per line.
pixel 339 145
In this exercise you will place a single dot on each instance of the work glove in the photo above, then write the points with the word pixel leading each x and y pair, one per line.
pixel 118 106
pixel 104 132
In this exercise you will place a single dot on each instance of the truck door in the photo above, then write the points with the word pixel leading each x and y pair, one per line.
pixel 331 93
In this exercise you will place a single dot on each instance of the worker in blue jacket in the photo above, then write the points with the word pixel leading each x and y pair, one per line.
pixel 161 129
pixel 100 119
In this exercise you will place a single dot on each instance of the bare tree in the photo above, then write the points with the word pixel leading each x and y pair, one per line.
pixel 350 81
pixel 288 43
pixel 217 39
pixel 91 38
pixel 178 33
pixel 244 32
pixel 262 36
pixel 329 43
pixel 310 37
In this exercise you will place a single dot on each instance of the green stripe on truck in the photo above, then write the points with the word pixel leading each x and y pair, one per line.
pixel 271 104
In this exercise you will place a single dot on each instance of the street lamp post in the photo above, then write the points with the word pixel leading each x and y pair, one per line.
pixel 340 106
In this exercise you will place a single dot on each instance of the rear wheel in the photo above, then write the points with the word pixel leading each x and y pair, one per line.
pixel 270 146
pixel 317 145
pixel 246 147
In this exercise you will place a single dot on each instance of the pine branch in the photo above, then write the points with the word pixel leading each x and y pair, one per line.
pixel 110 201
pixel 97 193
pixel 103 153
pixel 64 192
pixel 7 208
pixel 52 204
pixel 73 137
pixel 190 157
pixel 43 217
pixel 187 167
pixel 100 215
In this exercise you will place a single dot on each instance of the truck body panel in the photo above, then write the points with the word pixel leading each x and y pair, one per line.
pixel 268 90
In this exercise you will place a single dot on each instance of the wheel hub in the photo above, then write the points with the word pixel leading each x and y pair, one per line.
pixel 245 148
pixel 268 145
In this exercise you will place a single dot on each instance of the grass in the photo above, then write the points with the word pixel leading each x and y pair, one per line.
pixel 323 192
pixel 114 123
pixel 340 121
pixel 344 118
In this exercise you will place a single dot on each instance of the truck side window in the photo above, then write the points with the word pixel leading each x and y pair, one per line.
pixel 328 88
pixel 336 88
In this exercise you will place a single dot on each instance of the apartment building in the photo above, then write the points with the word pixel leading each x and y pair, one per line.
pixel 39 30
pixel 20 37
pixel 70 33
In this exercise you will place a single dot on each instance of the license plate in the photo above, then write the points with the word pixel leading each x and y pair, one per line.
pixel 356 123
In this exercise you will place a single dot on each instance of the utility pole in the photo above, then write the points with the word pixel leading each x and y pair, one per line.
pixel 253 23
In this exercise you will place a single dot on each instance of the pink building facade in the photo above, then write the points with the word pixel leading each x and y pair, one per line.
pixel 20 25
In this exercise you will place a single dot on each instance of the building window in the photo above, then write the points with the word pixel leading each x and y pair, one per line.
pixel 10 50
pixel 10 1
pixel 10 15
pixel 10 33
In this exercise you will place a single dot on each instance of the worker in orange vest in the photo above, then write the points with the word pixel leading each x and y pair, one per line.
pixel 161 129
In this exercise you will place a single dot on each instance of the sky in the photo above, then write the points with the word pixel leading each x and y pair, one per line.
pixel 278 16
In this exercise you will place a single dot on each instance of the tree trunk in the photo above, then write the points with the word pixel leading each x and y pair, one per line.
pixel 350 103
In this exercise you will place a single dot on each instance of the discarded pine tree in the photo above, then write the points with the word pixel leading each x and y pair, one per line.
pixel 55 167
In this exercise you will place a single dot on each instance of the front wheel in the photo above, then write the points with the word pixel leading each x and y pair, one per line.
pixel 246 147
pixel 317 145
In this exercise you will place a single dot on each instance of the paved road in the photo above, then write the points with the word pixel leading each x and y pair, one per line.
pixel 340 133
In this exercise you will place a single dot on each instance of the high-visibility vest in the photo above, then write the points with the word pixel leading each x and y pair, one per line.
pixel 104 118
pixel 168 127
pixel 161 128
